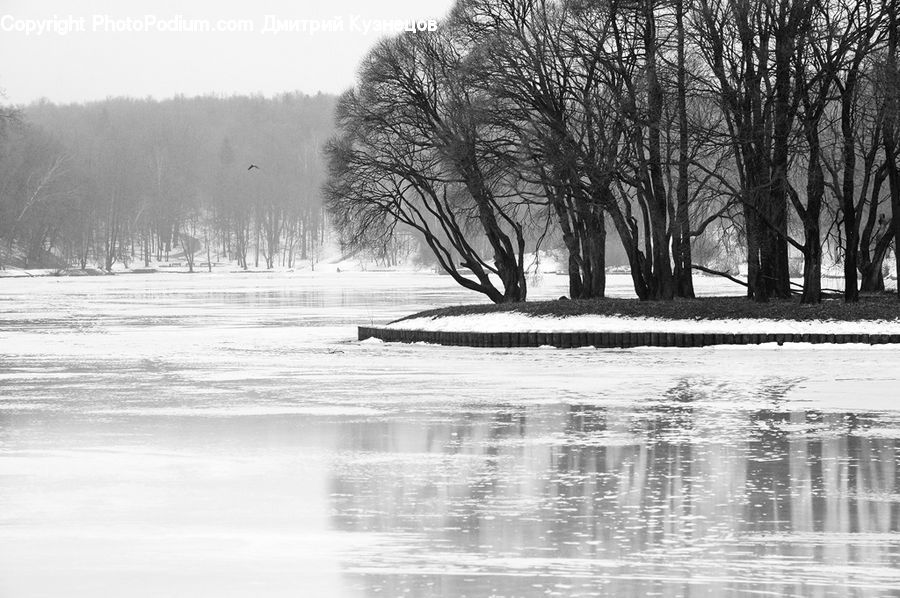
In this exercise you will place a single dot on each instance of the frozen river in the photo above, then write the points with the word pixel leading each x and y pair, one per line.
pixel 225 435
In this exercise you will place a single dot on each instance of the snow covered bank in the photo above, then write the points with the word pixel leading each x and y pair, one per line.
pixel 519 322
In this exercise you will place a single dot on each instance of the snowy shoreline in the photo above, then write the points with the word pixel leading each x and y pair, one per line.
pixel 519 322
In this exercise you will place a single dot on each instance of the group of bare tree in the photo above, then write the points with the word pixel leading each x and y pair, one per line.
pixel 140 181
pixel 767 125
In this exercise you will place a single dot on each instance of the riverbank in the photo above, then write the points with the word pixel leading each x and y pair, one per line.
pixel 869 308
pixel 627 323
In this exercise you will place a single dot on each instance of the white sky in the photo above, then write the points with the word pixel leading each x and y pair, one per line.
pixel 96 63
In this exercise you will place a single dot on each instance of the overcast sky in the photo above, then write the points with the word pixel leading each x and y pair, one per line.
pixel 106 53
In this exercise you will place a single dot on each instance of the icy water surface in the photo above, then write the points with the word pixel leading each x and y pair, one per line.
pixel 225 435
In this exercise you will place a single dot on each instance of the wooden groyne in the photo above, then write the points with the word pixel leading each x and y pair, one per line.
pixel 606 340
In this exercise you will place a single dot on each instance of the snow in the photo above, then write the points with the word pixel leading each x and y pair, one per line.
pixel 519 322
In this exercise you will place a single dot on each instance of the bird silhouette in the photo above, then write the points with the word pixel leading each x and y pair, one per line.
pixel 252 166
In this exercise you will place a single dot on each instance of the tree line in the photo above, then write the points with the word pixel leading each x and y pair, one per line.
pixel 766 129
pixel 133 182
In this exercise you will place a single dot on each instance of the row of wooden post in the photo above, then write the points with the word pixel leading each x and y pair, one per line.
pixel 565 340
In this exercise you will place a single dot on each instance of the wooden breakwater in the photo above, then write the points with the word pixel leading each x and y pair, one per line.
pixel 607 340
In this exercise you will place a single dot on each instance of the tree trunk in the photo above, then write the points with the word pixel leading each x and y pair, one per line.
pixel 775 261
pixel 681 240
pixel 595 238
pixel 848 207
pixel 892 106
pixel 658 200
pixel 508 260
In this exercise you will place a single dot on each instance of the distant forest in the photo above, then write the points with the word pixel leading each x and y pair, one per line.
pixel 132 182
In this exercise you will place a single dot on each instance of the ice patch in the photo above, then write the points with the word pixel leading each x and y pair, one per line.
pixel 845 395
pixel 243 410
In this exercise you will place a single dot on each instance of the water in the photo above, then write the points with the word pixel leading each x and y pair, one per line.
pixel 225 435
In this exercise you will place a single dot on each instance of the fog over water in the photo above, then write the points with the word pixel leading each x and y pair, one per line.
pixel 226 435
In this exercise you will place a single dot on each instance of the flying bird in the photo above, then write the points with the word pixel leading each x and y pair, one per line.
pixel 252 166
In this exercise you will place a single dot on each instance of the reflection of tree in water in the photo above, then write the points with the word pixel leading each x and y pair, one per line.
pixel 689 484
pixel 768 489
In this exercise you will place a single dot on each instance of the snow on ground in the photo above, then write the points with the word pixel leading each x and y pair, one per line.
pixel 519 322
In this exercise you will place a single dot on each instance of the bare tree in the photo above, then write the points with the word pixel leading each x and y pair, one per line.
pixel 430 159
